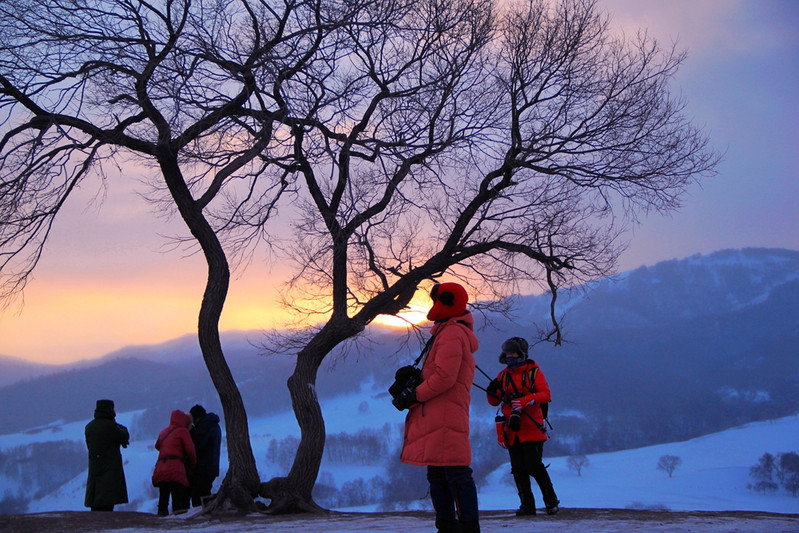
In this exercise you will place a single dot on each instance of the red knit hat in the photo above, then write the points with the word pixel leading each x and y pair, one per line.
pixel 449 300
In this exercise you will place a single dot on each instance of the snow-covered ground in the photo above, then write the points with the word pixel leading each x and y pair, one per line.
pixel 713 475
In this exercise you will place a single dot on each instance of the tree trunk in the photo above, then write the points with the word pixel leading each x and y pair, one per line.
pixel 240 485
pixel 293 493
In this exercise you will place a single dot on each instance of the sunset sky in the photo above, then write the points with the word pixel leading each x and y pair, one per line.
pixel 109 278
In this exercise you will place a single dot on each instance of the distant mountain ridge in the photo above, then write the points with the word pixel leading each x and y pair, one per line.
pixel 667 352
pixel 13 369
pixel 728 280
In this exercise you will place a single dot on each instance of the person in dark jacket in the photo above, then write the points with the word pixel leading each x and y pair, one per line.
pixel 437 424
pixel 207 437
pixel 522 389
pixel 175 454
pixel 105 486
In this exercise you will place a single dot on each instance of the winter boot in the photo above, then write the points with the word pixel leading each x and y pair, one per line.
pixel 525 491
pixel 448 525
pixel 528 504
pixel 551 501
pixel 552 506
pixel 471 526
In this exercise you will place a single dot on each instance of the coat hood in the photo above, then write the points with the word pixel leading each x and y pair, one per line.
pixel 210 418
pixel 180 419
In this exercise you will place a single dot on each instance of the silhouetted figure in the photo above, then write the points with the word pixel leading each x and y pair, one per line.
pixel 105 486
pixel 175 454
pixel 207 437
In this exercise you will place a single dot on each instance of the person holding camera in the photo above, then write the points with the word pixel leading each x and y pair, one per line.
pixel 437 423
pixel 105 485
pixel 522 390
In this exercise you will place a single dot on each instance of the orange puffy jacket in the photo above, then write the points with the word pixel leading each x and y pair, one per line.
pixel 529 384
pixel 175 451
pixel 437 429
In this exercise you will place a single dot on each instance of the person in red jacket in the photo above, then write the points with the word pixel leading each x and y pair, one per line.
pixel 521 388
pixel 437 424
pixel 175 453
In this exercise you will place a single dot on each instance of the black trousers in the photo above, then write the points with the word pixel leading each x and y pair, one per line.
pixel 180 498
pixel 454 497
pixel 526 461
pixel 200 488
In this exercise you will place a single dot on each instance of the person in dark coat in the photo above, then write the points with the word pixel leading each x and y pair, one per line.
pixel 175 454
pixel 105 486
pixel 207 437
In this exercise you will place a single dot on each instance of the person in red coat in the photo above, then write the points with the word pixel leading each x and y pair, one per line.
pixel 175 453
pixel 522 389
pixel 437 423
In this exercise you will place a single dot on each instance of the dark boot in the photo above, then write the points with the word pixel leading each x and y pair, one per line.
pixel 472 526
pixel 528 505
pixel 448 525
pixel 551 501
pixel 525 491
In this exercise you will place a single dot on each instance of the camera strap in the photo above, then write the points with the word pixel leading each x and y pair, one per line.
pixel 427 346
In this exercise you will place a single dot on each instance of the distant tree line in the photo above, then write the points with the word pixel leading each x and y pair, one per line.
pixel 771 471
pixel 402 485
pixel 38 469
pixel 352 493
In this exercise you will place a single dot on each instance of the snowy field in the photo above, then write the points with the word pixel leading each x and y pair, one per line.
pixel 713 475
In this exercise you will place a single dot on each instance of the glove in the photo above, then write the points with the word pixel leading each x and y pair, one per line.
pixel 494 388
pixel 503 445
pixel 516 405
pixel 405 399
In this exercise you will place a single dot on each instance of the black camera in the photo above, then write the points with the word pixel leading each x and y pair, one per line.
pixel 515 420
pixel 407 377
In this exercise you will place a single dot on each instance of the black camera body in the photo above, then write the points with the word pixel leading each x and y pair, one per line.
pixel 515 420
pixel 407 377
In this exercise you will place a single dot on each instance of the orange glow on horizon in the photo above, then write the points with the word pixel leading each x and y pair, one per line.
pixel 60 323
pixel 415 315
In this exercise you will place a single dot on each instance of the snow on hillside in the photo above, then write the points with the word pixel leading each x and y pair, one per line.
pixel 713 476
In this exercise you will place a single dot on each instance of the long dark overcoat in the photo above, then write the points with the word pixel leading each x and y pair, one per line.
pixel 106 483
pixel 207 437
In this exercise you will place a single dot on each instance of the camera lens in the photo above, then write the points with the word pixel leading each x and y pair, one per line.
pixel 515 420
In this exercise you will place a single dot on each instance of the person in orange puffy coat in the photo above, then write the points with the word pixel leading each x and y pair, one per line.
pixel 175 453
pixel 522 389
pixel 437 424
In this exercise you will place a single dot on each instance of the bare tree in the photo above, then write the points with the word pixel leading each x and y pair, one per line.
pixel 669 463
pixel 188 90
pixel 577 463
pixel 502 146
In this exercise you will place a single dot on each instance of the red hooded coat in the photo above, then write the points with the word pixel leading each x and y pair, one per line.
pixel 531 384
pixel 437 428
pixel 175 451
